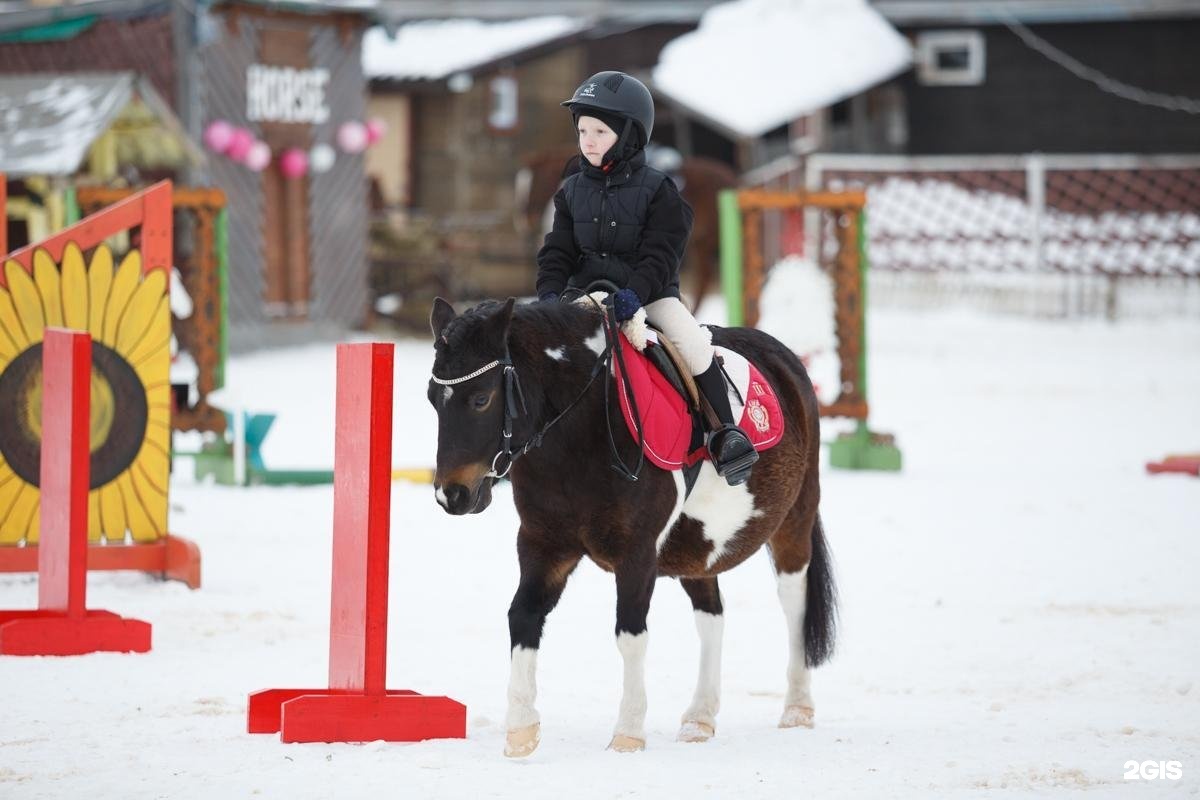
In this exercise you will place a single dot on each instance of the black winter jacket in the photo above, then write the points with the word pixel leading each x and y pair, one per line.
pixel 629 225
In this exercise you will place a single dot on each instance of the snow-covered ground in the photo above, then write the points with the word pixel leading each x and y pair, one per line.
pixel 1020 607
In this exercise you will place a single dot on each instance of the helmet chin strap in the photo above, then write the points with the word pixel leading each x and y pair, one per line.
pixel 616 153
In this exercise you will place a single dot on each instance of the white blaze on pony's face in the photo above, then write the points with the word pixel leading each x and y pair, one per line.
pixel 467 392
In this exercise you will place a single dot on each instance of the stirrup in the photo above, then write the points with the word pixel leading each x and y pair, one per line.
pixel 732 454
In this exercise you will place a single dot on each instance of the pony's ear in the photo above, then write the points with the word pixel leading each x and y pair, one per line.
pixel 441 316
pixel 497 324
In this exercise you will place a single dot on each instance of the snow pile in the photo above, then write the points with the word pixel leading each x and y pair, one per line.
pixel 435 49
pixel 754 65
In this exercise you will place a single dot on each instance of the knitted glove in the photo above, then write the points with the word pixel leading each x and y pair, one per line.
pixel 548 297
pixel 626 302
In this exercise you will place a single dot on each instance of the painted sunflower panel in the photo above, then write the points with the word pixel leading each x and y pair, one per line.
pixel 128 315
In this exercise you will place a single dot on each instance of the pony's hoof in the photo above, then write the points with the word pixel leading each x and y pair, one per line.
pixel 522 741
pixel 796 717
pixel 626 744
pixel 695 732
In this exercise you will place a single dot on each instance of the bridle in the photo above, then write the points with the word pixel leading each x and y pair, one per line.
pixel 512 391
pixel 507 454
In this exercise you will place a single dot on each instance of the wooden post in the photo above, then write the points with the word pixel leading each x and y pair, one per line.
pixel 356 706
pixel 62 625
pixel 362 506
pixel 66 402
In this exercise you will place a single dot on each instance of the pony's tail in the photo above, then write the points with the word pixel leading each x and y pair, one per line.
pixel 820 610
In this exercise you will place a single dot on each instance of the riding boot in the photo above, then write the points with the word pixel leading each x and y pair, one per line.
pixel 728 446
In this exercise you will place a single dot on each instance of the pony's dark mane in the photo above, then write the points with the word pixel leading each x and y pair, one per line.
pixel 461 327
pixel 549 317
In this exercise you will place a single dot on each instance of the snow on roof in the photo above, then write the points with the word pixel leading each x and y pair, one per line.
pixel 753 65
pixel 434 49
pixel 49 120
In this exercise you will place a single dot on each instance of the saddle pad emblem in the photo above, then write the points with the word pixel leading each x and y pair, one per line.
pixel 758 414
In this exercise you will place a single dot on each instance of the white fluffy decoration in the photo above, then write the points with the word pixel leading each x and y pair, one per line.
pixel 635 329
pixel 797 306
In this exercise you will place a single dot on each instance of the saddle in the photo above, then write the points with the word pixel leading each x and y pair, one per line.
pixel 673 412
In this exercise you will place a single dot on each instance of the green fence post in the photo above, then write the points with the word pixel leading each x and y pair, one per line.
pixel 732 284
pixel 71 206
pixel 221 234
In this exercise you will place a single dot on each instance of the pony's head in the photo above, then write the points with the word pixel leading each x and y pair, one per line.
pixel 468 390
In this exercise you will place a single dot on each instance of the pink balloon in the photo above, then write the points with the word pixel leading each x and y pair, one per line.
pixel 293 163
pixel 352 137
pixel 375 130
pixel 258 157
pixel 240 144
pixel 218 136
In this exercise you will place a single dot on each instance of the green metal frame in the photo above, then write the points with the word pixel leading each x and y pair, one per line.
pixel 860 449
pixel 221 232
pixel 732 284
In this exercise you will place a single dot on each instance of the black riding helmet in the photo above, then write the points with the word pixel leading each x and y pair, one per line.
pixel 616 93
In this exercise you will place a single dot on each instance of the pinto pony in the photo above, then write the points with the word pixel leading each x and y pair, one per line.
pixel 520 391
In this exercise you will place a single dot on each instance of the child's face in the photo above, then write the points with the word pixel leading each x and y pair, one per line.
pixel 595 139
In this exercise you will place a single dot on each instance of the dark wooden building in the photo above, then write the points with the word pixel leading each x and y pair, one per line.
pixel 1050 76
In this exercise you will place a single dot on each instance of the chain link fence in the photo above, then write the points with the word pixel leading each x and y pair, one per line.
pixel 1037 234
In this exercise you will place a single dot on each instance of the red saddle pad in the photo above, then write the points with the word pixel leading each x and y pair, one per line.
pixel 666 422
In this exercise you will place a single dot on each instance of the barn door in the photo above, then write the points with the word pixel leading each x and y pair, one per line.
pixel 288 278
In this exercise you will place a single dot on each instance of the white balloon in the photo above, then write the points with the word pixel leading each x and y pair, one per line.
pixel 321 158
pixel 352 137
pixel 257 157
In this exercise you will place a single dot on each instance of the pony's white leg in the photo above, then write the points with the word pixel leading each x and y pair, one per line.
pixel 542 581
pixel 798 704
pixel 522 721
pixel 630 731
pixel 700 719
pixel 635 585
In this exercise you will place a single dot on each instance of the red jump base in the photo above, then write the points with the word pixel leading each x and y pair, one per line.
pixel 1187 465
pixel 332 715
pixel 49 633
